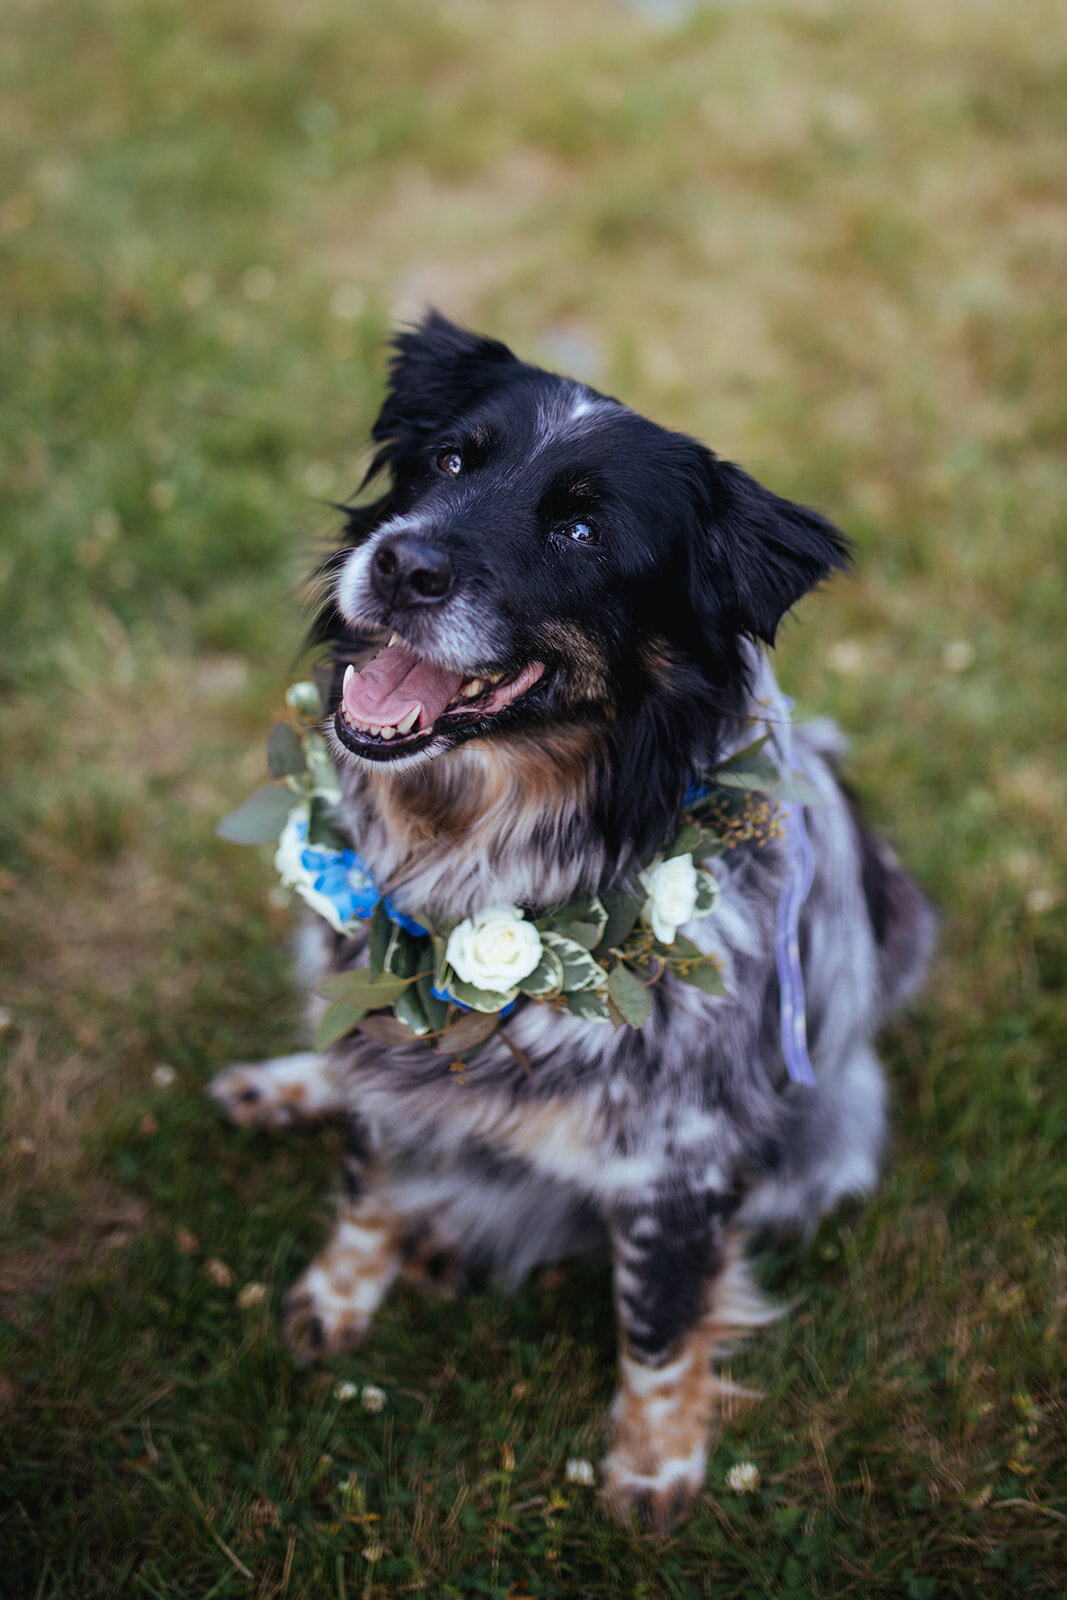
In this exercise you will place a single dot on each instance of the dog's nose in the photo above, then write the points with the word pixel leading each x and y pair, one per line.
pixel 408 572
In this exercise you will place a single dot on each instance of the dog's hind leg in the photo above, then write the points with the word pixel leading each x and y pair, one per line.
pixel 278 1093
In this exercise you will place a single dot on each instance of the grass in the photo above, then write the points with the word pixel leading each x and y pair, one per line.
pixel 828 239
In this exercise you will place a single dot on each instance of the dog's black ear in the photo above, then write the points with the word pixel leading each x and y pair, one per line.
pixel 755 554
pixel 437 372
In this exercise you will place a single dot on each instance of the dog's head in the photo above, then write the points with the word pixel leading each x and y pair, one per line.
pixel 546 553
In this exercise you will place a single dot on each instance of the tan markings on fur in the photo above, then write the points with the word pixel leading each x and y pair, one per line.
pixel 560 1136
pixel 658 659
pixel 430 1263
pixel 329 1308
pixel 490 792
pixel 662 1416
pixel 586 678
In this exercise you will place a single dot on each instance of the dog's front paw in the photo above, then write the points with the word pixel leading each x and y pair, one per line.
pixel 329 1309
pixel 315 1327
pixel 278 1093
pixel 653 1493
pixel 661 1425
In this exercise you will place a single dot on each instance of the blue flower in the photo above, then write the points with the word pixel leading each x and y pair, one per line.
pixel 402 920
pixel 335 883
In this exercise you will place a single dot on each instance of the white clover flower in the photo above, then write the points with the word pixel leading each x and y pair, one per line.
pixel 672 896
pixel 252 1295
pixel 163 1076
pixel 494 950
pixel 373 1398
pixel 345 1390
pixel 580 1471
pixel 958 655
pixel 744 1477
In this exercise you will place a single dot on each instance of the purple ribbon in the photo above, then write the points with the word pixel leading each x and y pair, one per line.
pixel 792 1007
pixel 800 868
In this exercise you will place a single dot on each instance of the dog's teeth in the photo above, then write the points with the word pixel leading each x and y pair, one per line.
pixel 350 673
pixel 387 732
pixel 394 639
pixel 409 721
pixel 472 688
pixel 494 677
pixel 372 727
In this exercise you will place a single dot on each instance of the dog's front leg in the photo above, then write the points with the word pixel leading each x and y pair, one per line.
pixel 330 1307
pixel 678 1288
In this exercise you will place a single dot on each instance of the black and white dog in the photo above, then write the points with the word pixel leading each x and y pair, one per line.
pixel 574 601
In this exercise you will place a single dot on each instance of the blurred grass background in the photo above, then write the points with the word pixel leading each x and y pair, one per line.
pixel 830 238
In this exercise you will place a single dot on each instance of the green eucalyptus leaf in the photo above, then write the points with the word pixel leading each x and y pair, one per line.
pixel 760 774
pixel 409 1009
pixel 406 954
pixel 687 839
pixel 259 819
pixel 796 788
pixel 741 758
pixel 707 977
pixel 334 1024
pixel 623 911
pixel 480 999
pixel 285 751
pixel 585 934
pixel 630 995
pixel 589 1005
pixel 381 932
pixel 580 971
pixel 707 894
pixel 357 988
pixel 386 1030
pixel 546 977
pixel 684 949
pixel 441 968
pixel 583 921
pixel 472 1029
pixel 436 1010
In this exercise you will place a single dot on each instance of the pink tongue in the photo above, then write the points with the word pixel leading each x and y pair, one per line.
pixel 394 682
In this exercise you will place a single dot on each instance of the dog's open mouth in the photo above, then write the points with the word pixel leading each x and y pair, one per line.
pixel 399 701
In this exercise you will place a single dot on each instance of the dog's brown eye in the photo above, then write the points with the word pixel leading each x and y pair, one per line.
pixel 581 533
pixel 450 461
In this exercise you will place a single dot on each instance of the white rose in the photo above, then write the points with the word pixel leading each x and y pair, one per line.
pixel 672 896
pixel 494 950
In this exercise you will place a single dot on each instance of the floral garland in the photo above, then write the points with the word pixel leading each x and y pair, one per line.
pixel 449 984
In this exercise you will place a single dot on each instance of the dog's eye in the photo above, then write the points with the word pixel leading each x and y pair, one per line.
pixel 581 532
pixel 450 462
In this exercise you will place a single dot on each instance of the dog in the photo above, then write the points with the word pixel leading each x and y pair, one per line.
pixel 555 617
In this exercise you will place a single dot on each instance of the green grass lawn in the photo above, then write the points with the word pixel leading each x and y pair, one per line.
pixel 831 240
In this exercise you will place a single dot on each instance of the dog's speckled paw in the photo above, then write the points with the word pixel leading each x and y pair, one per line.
pixel 314 1331
pixel 652 1500
pixel 277 1093
pixel 330 1308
